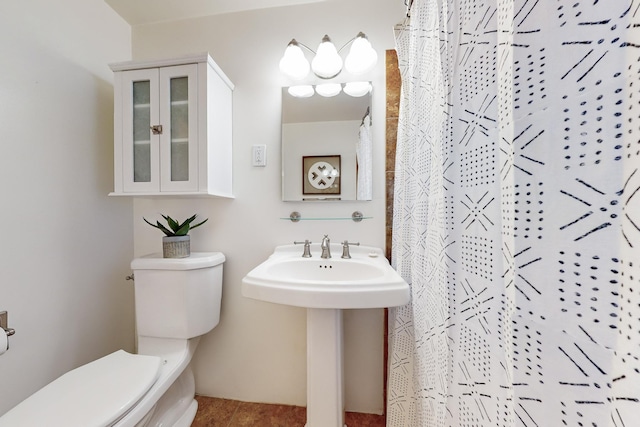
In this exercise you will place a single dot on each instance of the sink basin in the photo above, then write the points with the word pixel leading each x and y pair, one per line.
pixel 326 273
pixel 366 280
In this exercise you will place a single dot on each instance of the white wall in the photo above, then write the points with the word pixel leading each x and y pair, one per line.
pixel 66 246
pixel 257 353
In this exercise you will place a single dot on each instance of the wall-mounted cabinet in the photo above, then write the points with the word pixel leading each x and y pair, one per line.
pixel 173 128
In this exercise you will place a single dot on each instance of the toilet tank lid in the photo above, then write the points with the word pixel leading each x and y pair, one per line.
pixel 195 261
pixel 95 394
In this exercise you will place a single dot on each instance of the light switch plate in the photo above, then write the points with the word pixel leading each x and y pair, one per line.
pixel 259 155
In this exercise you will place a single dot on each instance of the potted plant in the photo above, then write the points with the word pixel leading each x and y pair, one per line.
pixel 176 243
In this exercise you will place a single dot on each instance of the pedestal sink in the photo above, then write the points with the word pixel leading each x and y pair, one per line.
pixel 325 287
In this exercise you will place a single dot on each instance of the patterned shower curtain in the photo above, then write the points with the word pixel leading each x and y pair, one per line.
pixel 364 159
pixel 517 215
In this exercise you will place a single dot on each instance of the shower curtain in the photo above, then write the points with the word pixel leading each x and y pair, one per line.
pixel 364 149
pixel 517 215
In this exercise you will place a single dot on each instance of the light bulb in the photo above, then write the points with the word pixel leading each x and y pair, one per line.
pixel 357 89
pixel 362 57
pixel 301 91
pixel 293 63
pixel 327 63
pixel 329 89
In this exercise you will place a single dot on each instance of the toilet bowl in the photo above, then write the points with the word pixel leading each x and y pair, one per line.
pixel 177 301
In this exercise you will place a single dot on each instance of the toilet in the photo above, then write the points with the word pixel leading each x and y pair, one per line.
pixel 177 301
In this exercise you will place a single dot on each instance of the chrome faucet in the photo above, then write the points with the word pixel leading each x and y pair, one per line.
pixel 345 248
pixel 326 247
pixel 306 253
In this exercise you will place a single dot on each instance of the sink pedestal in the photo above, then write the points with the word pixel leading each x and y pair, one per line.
pixel 325 372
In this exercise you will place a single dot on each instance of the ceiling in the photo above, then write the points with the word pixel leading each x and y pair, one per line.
pixel 137 12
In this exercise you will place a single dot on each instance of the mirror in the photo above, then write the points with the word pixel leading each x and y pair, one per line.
pixel 326 148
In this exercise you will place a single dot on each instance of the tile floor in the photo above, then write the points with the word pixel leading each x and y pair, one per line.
pixel 214 412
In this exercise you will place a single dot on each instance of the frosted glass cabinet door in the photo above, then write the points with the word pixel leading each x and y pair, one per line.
pixel 141 131
pixel 140 151
pixel 160 129
pixel 178 142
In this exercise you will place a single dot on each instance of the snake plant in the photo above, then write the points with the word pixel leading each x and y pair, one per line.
pixel 176 228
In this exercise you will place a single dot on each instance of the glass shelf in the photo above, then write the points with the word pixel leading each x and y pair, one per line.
pixel 355 217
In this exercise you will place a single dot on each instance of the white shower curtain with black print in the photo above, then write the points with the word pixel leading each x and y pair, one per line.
pixel 517 215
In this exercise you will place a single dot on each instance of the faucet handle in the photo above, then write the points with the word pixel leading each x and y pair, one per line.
pixel 306 253
pixel 345 248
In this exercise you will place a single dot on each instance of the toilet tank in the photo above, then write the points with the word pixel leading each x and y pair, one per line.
pixel 177 297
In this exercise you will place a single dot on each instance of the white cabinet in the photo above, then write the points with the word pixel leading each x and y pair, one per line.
pixel 173 128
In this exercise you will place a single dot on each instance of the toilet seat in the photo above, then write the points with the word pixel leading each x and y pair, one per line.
pixel 96 394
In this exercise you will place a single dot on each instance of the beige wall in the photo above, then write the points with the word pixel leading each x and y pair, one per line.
pixel 257 353
pixel 66 245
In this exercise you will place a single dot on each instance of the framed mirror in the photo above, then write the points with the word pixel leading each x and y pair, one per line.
pixel 326 148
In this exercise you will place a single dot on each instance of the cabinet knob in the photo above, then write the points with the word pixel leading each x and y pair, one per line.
pixel 156 129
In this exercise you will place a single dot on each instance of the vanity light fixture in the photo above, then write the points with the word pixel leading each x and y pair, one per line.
pixel 293 63
pixel 327 62
pixel 362 57
pixel 328 89
pixel 357 89
pixel 301 91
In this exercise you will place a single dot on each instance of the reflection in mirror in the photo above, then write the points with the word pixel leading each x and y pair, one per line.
pixel 326 147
